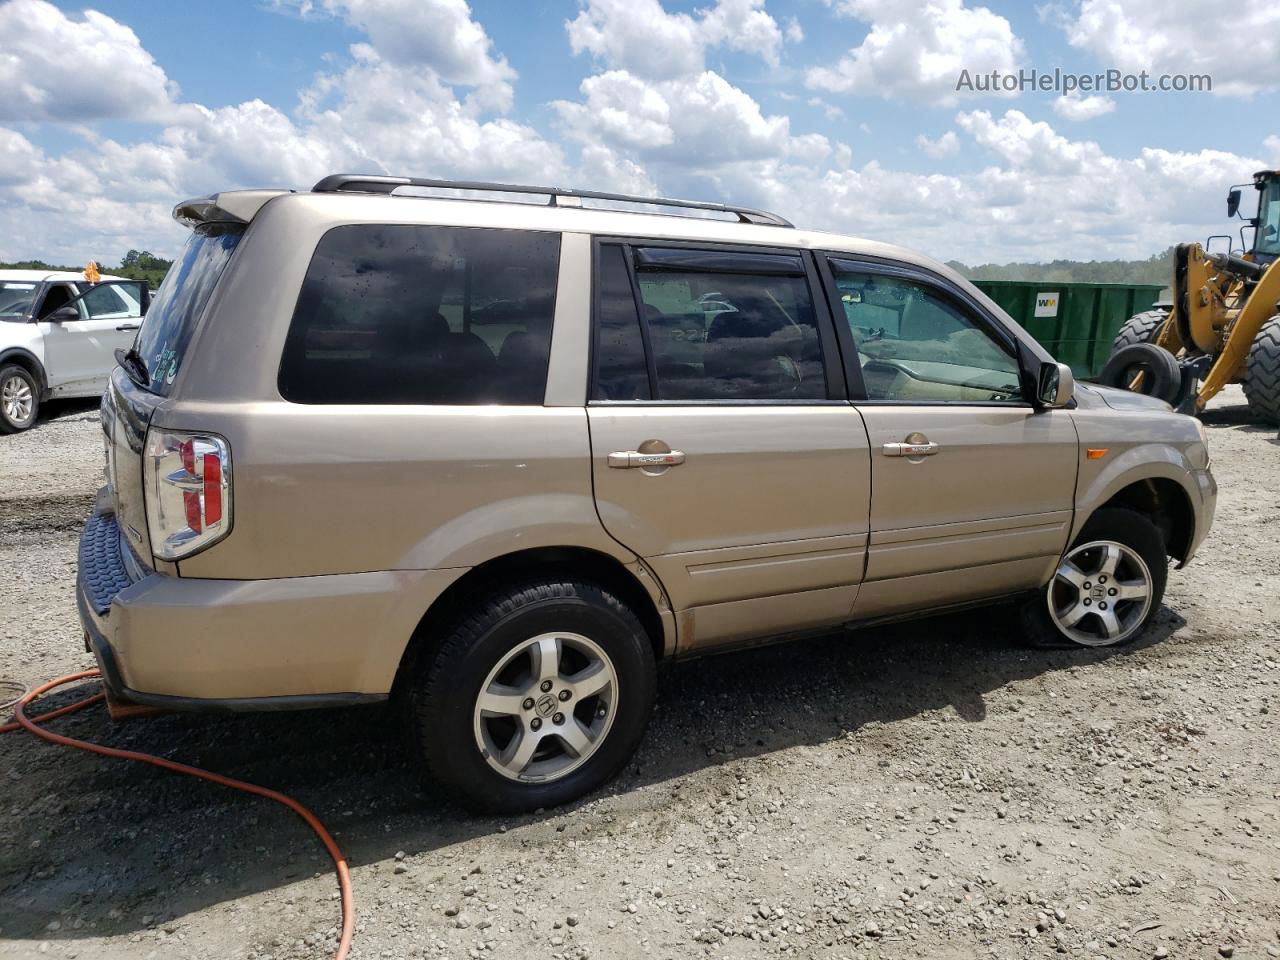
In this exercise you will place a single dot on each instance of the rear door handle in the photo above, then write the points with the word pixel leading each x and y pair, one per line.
pixel 128 326
pixel 926 449
pixel 623 459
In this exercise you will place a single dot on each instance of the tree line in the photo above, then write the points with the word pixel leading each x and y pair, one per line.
pixel 136 265
pixel 1156 269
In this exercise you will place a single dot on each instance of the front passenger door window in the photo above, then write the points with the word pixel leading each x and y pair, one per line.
pixel 917 345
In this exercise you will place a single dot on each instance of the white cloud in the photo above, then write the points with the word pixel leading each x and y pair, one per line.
pixel 917 51
pixel 372 113
pixel 437 34
pixel 641 37
pixel 1240 49
pixel 699 120
pixel 1055 196
pixel 19 158
pixel 604 169
pixel 1042 196
pixel 652 121
pixel 1030 145
pixel 404 120
pixel 945 145
pixel 1075 107
pixel 54 67
pixel 829 110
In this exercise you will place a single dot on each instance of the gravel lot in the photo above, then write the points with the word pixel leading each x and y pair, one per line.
pixel 929 790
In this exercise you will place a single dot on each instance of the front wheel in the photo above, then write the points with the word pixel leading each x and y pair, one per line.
pixel 1107 587
pixel 537 697
pixel 19 399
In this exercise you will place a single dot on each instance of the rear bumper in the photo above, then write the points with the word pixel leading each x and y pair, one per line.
pixel 239 645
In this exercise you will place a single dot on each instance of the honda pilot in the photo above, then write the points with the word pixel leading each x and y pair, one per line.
pixel 496 452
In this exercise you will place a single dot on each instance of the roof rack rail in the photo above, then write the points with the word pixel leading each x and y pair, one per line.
pixel 362 183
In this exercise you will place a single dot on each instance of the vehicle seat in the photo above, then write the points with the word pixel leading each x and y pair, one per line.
pixel 522 362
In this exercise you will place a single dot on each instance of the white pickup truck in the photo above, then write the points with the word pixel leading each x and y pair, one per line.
pixel 58 337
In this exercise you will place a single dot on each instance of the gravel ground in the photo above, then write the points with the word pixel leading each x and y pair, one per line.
pixel 922 790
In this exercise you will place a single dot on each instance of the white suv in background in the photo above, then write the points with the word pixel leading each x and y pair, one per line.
pixel 58 337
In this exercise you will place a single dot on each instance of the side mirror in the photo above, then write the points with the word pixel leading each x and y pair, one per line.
pixel 1233 202
pixel 65 314
pixel 1055 386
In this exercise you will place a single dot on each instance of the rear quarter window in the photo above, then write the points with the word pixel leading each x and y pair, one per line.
pixel 409 314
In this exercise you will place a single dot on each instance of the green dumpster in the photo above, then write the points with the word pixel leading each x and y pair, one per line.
pixel 1075 322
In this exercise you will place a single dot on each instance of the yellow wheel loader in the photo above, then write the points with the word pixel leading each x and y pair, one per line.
pixel 1223 325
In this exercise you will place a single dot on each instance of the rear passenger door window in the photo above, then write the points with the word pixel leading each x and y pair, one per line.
pixel 701 325
pixel 411 314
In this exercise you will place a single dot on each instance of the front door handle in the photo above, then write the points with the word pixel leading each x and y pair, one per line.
pixel 623 459
pixel 127 326
pixel 911 447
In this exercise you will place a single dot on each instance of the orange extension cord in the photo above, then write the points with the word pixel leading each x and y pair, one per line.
pixel 31 724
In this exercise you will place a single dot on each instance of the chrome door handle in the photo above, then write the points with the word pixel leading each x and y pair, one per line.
pixel 623 459
pixel 926 449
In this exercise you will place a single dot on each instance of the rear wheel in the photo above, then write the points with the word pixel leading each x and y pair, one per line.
pixel 1262 379
pixel 1107 587
pixel 19 399
pixel 540 695
pixel 1140 328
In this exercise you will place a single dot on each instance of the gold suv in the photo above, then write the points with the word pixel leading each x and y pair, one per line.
pixel 499 457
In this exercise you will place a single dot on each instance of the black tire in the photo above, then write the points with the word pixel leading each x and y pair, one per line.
pixel 444 695
pixel 1162 377
pixel 1140 328
pixel 1262 379
pixel 1115 525
pixel 14 377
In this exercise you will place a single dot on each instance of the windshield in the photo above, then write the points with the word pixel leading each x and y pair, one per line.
pixel 171 321
pixel 1269 220
pixel 15 299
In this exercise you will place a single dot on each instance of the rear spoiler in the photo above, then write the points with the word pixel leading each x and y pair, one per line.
pixel 232 206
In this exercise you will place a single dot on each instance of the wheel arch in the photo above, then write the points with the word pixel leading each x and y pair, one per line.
pixel 24 358
pixel 1165 502
pixel 634 584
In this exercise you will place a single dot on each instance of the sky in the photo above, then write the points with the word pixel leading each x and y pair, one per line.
pixel 841 115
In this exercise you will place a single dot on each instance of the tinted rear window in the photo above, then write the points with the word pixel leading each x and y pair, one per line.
pixel 171 320
pixel 406 314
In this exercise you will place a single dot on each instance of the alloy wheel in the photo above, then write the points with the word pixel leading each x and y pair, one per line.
pixel 1101 593
pixel 546 707
pixel 17 400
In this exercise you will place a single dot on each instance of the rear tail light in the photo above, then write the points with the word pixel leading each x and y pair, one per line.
pixel 188 491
